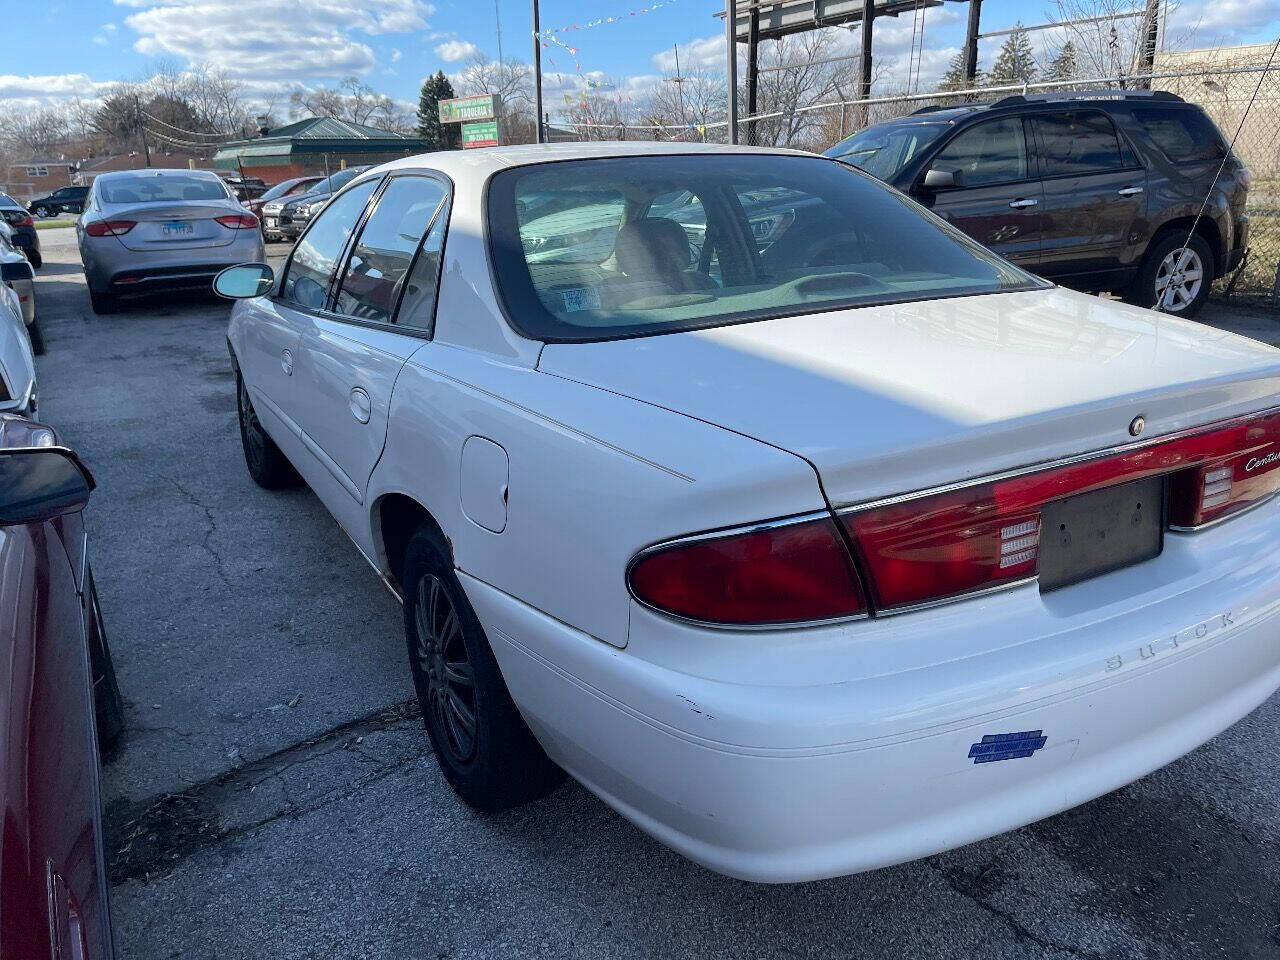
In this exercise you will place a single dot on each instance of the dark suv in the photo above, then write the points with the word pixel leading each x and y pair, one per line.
pixel 70 199
pixel 1095 190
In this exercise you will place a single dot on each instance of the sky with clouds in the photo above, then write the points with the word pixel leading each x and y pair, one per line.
pixel 273 46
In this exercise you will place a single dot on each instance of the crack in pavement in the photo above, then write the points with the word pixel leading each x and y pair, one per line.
pixel 211 527
pixel 151 837
pixel 971 889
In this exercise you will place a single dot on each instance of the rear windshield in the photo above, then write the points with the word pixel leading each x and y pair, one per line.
pixel 162 188
pixel 883 151
pixel 600 249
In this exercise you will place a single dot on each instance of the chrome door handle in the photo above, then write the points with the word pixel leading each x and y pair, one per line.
pixel 1022 202
pixel 361 405
pixel 286 361
pixel 1129 191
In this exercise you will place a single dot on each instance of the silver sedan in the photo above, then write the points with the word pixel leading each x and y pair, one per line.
pixel 150 231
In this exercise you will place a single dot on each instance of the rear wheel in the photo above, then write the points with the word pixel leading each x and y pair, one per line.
pixel 1176 273
pixel 481 742
pixel 37 338
pixel 34 257
pixel 102 303
pixel 269 468
pixel 108 703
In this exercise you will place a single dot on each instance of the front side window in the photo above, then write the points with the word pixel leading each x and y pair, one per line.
pixel 987 154
pixel 160 188
pixel 315 258
pixel 380 261
pixel 756 237
pixel 1079 143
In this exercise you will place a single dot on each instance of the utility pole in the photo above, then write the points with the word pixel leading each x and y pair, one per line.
pixel 497 23
pixel 731 64
pixel 137 110
pixel 678 80
pixel 868 21
pixel 1150 36
pixel 537 72
pixel 753 72
pixel 971 43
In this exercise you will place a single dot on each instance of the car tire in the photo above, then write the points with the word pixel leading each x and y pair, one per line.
pixel 1171 252
pixel 35 258
pixel 41 211
pixel 37 338
pixel 108 702
pixel 482 744
pixel 102 303
pixel 269 468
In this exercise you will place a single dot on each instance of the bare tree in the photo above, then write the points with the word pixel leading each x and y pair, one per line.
pixel 691 102
pixel 352 99
pixel 512 81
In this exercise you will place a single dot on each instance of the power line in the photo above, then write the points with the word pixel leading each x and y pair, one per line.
pixel 194 133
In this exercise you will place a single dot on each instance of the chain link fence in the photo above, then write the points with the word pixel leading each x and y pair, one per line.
pixel 1220 83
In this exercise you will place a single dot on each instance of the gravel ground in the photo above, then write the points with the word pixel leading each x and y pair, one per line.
pixel 275 796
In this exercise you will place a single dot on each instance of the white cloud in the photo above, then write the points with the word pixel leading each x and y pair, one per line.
pixel 455 50
pixel 33 92
pixel 395 55
pixel 1203 23
pixel 289 39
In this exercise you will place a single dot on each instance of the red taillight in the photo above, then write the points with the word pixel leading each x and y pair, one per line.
pixel 27 221
pixel 109 228
pixel 238 221
pixel 787 573
pixel 938 546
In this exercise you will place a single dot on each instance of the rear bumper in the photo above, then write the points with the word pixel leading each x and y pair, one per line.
pixel 816 753
pixel 1241 245
pixel 111 267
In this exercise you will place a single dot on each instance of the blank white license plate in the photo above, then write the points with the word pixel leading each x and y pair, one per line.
pixel 272 222
pixel 177 228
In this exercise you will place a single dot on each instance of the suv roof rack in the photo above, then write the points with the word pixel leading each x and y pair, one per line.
pixel 1098 93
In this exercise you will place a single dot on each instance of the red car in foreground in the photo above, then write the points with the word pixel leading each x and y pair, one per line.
pixel 58 701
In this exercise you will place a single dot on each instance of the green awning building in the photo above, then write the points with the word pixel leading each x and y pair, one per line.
pixel 317 145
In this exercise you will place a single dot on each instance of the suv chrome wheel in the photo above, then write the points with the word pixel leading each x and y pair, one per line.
pixel 1178 280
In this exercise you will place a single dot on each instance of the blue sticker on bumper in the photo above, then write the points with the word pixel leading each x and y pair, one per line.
pixel 1007 746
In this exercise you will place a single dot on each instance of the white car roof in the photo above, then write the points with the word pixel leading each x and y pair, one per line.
pixel 481 163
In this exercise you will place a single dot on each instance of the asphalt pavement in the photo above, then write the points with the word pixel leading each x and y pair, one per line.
pixel 275 795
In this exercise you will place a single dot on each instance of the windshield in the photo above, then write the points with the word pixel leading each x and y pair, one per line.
pixel 883 151
pixel 660 244
pixel 279 190
pixel 335 182
pixel 161 188
pixel 7 201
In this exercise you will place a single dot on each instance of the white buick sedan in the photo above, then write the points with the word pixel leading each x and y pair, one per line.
pixel 802 530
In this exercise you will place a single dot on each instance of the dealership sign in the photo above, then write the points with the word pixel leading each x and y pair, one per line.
pixel 482 107
pixel 482 134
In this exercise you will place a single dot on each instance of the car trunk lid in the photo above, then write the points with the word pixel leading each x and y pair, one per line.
pixel 174 226
pixel 891 399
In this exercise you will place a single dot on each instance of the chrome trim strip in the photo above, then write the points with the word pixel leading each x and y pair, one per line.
pixel 1054 464
pixel 724 533
pixel 955 598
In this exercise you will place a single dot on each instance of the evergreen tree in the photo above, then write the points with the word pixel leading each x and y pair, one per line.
pixel 439 136
pixel 1064 65
pixel 954 78
pixel 1016 62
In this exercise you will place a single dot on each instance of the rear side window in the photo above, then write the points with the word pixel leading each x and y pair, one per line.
pixel 379 264
pixel 988 153
pixel 1079 143
pixel 1183 135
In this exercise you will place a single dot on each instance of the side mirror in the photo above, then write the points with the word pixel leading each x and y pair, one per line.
pixel 936 179
pixel 244 280
pixel 41 483
pixel 11 271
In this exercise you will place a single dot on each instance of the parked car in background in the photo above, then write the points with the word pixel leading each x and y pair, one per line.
pixel 23 230
pixel 60 703
pixel 18 392
pixel 294 214
pixel 145 231
pixel 62 200
pixel 1094 190
pixel 17 273
pixel 244 188
pixel 806 532
pixel 276 196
